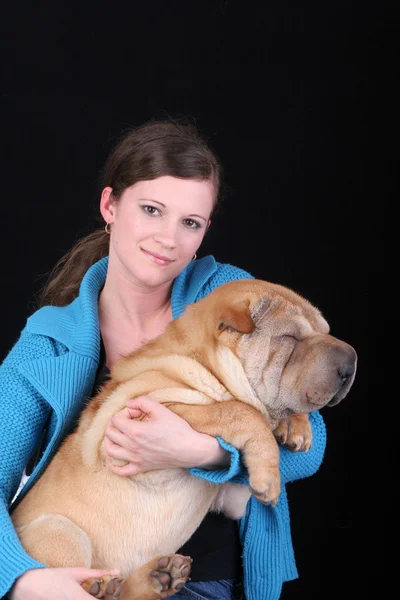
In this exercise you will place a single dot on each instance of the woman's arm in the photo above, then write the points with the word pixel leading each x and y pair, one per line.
pixel 162 440
pixel 23 414
pixel 55 584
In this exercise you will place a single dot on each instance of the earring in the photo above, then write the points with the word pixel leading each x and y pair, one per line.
pixel 194 256
pixel 107 228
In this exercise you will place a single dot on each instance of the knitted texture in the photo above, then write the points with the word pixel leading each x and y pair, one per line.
pixel 46 379
pixel 23 409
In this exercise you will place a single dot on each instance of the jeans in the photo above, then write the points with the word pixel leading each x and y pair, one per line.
pixel 207 590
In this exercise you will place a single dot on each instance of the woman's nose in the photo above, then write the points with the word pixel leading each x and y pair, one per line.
pixel 166 236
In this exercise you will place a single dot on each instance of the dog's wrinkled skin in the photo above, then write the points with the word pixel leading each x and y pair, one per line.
pixel 246 363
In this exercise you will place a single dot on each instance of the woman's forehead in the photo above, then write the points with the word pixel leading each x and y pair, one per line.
pixel 188 194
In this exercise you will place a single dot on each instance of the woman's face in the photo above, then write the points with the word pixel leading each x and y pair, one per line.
pixel 156 227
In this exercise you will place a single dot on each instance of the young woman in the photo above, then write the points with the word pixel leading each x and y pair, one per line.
pixel 117 288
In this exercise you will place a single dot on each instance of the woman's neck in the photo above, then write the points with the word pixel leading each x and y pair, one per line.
pixel 130 315
pixel 122 300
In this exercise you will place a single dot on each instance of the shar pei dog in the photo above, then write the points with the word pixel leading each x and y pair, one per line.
pixel 246 363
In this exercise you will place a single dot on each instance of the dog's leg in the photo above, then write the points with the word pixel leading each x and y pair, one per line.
pixel 161 577
pixel 56 541
pixel 295 433
pixel 245 428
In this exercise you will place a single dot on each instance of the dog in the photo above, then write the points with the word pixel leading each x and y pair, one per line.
pixel 247 363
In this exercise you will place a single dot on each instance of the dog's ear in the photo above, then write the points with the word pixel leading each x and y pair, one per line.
pixel 236 317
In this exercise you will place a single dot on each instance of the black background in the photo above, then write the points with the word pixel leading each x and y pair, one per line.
pixel 285 92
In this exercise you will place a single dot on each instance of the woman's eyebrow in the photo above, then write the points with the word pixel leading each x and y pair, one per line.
pixel 198 217
pixel 152 200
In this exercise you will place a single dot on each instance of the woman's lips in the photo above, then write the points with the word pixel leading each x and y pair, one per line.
pixel 157 258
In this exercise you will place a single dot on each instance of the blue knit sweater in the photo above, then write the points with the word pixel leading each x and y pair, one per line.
pixel 44 383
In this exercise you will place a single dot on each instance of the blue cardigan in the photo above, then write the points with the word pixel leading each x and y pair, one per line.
pixel 44 383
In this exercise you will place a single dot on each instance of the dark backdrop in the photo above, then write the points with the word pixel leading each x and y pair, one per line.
pixel 282 90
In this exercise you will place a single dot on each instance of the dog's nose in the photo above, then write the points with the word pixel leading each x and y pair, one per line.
pixel 347 364
pixel 345 373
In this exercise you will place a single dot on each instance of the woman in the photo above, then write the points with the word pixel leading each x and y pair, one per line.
pixel 117 288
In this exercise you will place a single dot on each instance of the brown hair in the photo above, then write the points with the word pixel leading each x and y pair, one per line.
pixel 149 151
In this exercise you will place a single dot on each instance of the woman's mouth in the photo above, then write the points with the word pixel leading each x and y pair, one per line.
pixel 157 258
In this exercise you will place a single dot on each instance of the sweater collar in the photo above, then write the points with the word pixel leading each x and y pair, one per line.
pixel 77 324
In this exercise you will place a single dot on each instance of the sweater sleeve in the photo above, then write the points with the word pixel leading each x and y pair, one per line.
pixel 292 465
pixel 23 413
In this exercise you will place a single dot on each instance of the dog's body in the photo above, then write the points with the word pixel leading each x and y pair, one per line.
pixel 246 363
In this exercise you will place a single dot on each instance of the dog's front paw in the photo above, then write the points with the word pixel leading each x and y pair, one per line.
pixel 265 486
pixel 107 587
pixel 295 433
pixel 170 573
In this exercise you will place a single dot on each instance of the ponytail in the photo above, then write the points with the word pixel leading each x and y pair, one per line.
pixel 64 280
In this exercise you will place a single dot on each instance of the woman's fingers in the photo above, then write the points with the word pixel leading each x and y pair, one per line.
pixel 117 453
pixel 124 470
pixel 114 434
pixel 146 405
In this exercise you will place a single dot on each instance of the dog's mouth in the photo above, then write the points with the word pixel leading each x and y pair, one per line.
pixel 342 393
pixel 322 403
pixel 335 400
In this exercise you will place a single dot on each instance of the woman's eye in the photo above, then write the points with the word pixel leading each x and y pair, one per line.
pixel 191 224
pixel 150 210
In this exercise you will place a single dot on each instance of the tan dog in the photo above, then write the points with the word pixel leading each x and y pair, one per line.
pixel 246 363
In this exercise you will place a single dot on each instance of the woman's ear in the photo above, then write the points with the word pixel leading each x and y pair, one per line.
pixel 107 205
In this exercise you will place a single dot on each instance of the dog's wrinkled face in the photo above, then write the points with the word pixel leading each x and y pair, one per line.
pixel 292 362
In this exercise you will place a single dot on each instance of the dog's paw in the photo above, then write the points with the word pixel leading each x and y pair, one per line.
pixel 107 587
pixel 266 486
pixel 170 573
pixel 295 433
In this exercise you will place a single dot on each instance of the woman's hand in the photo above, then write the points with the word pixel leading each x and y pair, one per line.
pixel 55 584
pixel 162 440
